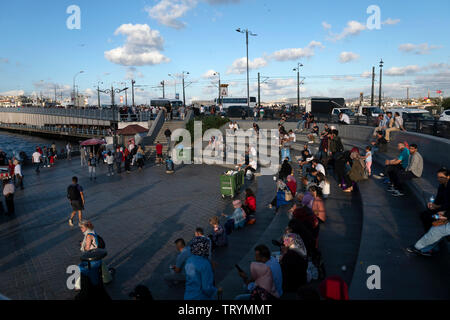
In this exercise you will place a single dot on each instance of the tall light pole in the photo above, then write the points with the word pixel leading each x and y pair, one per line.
pixel 381 79
pixel 218 74
pixel 247 33
pixel 74 77
pixel 98 94
pixel 299 65
pixel 174 78
pixel 184 96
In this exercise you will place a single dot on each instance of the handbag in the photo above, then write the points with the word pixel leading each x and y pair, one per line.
pixel 288 195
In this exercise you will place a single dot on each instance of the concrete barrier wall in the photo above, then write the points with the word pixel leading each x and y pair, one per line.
pixel 434 150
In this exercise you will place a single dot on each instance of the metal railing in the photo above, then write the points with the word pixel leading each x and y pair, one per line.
pixel 97 114
pixel 51 129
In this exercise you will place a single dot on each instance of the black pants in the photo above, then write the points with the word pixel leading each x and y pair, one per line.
pixel 10 203
pixel 127 165
pixel 19 181
pixel 339 168
pixel 393 169
pixel 399 178
pixel 119 167
pixel 427 219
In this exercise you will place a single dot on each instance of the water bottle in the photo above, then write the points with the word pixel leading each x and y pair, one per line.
pixel 432 199
pixel 436 217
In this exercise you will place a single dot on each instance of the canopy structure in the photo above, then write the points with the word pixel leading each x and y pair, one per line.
pixel 93 142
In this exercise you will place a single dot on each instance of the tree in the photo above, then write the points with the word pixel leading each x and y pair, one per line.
pixel 445 103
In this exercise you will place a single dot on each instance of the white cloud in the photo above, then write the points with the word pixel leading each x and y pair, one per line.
pixel 353 28
pixel 419 49
pixel 12 93
pixel 142 46
pixel 402 71
pixel 296 53
pixel 346 57
pixel 239 66
pixel 209 74
pixel 326 25
pixel 390 21
pixel 169 12
pixel 366 74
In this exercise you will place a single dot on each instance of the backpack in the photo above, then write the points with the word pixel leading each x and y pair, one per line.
pixel 100 242
pixel 73 193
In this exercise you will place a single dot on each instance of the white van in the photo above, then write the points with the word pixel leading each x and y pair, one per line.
pixel 409 114
pixel 364 111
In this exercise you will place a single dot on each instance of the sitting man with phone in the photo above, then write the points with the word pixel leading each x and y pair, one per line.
pixel 177 274
pixel 262 255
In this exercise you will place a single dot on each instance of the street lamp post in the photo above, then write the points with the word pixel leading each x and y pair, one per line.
pixel 381 79
pixel 74 77
pixel 247 33
pixel 218 101
pixel 298 83
pixel 184 89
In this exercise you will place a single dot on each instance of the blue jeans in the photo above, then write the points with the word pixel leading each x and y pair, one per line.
pixel 432 237
pixel 306 166
pixel 37 165
pixel 301 123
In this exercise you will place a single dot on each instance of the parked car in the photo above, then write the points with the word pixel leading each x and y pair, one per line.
pixel 445 116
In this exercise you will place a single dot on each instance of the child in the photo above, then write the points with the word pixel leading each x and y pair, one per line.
pixel 219 236
pixel 368 159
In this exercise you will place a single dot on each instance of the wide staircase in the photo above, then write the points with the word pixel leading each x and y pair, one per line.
pixel 150 150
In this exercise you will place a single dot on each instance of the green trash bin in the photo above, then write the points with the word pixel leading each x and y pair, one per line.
pixel 228 185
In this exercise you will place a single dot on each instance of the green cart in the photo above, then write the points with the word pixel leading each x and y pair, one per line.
pixel 230 184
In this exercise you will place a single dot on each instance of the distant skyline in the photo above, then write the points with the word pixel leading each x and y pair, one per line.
pixel 147 40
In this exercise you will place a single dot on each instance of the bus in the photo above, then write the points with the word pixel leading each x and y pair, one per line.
pixel 175 103
pixel 235 102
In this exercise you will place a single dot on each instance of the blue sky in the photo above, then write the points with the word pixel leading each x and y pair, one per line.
pixel 147 40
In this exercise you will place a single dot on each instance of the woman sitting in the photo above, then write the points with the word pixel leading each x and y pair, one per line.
pixel 285 170
pixel 219 237
pixel 250 206
pixel 238 216
pixel 280 197
pixel 318 206
pixel 324 185
pixel 292 185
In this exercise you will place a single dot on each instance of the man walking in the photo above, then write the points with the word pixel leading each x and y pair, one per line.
pixel 83 154
pixel 69 151
pixel 18 174
pixel 92 163
pixel 76 198
pixel 8 192
pixel 37 160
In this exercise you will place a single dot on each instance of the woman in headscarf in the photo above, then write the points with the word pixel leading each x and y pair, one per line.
pixel 264 285
pixel 307 217
pixel 250 206
pixel 279 199
pixel 318 206
pixel 293 262
pixel 199 273
pixel 286 170
pixel 357 172
pixel 292 184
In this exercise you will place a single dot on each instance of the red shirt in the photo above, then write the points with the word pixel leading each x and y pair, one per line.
pixel 250 202
pixel 159 148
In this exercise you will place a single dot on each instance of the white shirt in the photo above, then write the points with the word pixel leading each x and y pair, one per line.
pixel 293 137
pixel 320 168
pixel 9 188
pixel 36 157
pixel 345 118
pixel 325 187
pixel 398 122
pixel 110 159
pixel 18 170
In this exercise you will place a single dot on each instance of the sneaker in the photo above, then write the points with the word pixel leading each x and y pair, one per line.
pixel 311 142
pixel 397 193
pixel 381 174
pixel 418 252
pixel 70 222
